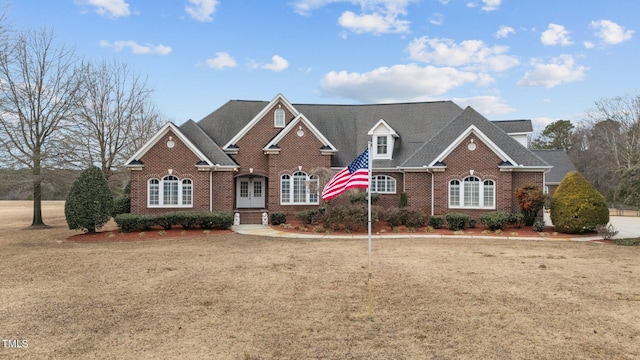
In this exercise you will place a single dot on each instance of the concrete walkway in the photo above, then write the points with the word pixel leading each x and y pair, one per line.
pixel 628 227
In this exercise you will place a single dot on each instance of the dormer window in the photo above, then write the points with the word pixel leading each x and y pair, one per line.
pixel 383 137
pixel 278 118
pixel 381 145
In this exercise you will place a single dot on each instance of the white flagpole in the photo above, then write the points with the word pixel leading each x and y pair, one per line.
pixel 369 165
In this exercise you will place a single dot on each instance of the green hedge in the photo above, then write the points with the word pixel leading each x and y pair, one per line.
pixel 495 220
pixel 457 221
pixel 186 219
pixel 435 222
pixel 347 218
pixel 278 218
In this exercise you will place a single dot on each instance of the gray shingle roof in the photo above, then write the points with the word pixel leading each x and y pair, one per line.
pixel 511 147
pixel 346 127
pixel 559 160
pixel 206 144
pixel 514 126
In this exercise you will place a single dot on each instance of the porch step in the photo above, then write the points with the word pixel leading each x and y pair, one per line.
pixel 253 216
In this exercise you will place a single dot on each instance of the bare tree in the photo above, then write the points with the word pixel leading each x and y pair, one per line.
pixel 623 135
pixel 38 88
pixel 115 116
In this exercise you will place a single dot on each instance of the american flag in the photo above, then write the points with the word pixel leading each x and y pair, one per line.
pixel 356 175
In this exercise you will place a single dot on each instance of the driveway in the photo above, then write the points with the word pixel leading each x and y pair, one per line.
pixel 627 226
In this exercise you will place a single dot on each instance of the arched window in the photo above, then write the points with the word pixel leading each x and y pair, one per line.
pixel 383 184
pixel 170 192
pixel 472 193
pixel 278 118
pixel 298 188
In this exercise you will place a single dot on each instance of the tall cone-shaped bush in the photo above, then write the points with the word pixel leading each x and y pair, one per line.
pixel 577 207
pixel 89 203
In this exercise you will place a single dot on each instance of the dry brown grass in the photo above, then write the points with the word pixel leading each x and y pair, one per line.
pixel 239 297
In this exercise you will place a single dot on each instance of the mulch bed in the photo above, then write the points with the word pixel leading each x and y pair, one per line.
pixel 380 228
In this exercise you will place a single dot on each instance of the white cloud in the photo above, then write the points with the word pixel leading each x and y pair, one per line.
pixel 504 31
pixel 473 54
pixel 110 8
pixel 491 5
pixel 278 63
pixel 372 23
pixel 396 83
pixel 221 61
pixel 137 48
pixel 201 10
pixel 376 16
pixel 560 70
pixel 610 32
pixel 589 44
pixel 486 105
pixel 555 35
pixel 437 19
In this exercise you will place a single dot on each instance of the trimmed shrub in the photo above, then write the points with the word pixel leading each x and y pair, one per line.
pixel 127 222
pixel 531 200
pixel 122 205
pixel 456 221
pixel 404 200
pixel 516 219
pixel 309 217
pixel 360 197
pixel 577 207
pixel 435 222
pixel 347 218
pixel 166 220
pixel 494 220
pixel 415 219
pixel 396 217
pixel 134 222
pixel 472 223
pixel 187 219
pixel 89 203
pixel 278 218
pixel 215 220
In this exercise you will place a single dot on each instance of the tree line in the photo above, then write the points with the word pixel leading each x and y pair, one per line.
pixel 605 148
pixel 60 111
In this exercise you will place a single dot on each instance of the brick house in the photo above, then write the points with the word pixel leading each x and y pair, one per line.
pixel 256 157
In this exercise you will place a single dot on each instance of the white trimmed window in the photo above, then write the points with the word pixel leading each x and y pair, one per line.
pixel 296 189
pixel 383 184
pixel 472 193
pixel 170 192
pixel 383 138
pixel 278 118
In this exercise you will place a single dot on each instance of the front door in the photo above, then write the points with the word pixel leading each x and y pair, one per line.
pixel 250 192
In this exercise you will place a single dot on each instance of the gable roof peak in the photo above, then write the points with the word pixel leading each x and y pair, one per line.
pixel 280 100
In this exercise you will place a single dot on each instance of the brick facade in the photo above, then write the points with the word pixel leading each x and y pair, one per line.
pixel 300 150
pixel 161 160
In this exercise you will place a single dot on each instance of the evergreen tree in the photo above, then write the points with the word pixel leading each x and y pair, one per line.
pixel 89 204
pixel 577 207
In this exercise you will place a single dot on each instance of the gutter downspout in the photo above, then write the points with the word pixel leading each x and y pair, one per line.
pixel 432 189
pixel 211 191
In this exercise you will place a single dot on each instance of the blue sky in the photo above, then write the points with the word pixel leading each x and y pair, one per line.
pixel 510 59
